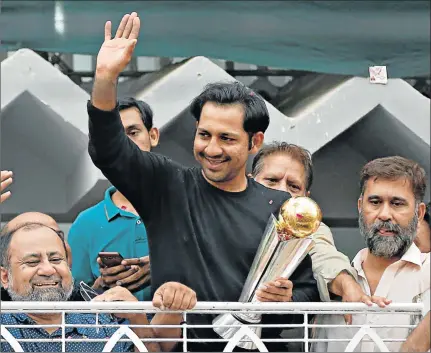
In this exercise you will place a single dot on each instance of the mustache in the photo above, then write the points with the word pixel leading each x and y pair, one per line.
pixel 40 280
pixel 387 225
pixel 220 157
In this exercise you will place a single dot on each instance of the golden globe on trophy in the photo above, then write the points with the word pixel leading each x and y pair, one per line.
pixel 284 245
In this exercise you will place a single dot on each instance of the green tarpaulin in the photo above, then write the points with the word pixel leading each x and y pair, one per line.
pixel 343 37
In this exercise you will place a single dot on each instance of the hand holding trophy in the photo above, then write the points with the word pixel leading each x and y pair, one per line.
pixel 284 245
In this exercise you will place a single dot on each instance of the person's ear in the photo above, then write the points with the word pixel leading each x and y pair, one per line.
pixel 154 136
pixel 360 204
pixel 4 277
pixel 256 142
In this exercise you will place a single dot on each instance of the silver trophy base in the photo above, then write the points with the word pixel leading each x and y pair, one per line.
pixel 238 319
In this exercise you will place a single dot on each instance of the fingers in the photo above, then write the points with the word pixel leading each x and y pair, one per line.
pixel 111 280
pixel 5 196
pixel 137 261
pixel 6 180
pixel 134 277
pixel 115 294
pixel 5 174
pixel 177 302
pixel 134 34
pixel 168 297
pixel 122 26
pixel 348 319
pixel 380 301
pixel 192 300
pixel 279 290
pixel 144 281
pixel 5 183
pixel 174 296
pixel 129 26
pixel 158 300
pixel 114 270
pixel 366 299
pixel 108 30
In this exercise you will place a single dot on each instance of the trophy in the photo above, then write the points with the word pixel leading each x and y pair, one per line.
pixel 284 245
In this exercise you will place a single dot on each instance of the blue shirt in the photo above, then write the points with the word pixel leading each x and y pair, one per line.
pixel 105 227
pixel 29 332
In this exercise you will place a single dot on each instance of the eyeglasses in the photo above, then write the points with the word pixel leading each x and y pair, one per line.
pixel 87 293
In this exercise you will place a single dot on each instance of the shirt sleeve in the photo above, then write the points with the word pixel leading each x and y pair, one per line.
pixel 81 263
pixel 328 262
pixel 140 176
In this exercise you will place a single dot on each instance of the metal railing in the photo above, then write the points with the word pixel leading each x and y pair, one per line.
pixel 364 332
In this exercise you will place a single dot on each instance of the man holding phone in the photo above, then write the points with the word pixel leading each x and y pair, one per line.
pixel 109 240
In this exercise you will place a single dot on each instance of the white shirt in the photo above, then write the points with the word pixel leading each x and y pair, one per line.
pixel 405 281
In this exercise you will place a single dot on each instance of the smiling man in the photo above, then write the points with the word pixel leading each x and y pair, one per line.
pixel 390 208
pixel 204 224
pixel 34 268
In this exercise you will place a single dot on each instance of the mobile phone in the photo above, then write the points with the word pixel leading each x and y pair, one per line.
pixel 110 259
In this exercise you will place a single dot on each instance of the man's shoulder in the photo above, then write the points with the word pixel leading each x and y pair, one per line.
pixel 13 319
pixel 268 195
pixel 91 214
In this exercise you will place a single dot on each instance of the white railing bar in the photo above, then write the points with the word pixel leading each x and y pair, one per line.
pixel 184 329
pixel 212 306
pixel 212 326
pixel 205 340
pixel 63 332
pixel 306 332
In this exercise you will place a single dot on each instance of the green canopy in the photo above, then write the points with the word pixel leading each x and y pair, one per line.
pixel 340 37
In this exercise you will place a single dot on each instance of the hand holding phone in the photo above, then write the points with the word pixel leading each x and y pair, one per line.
pixel 110 259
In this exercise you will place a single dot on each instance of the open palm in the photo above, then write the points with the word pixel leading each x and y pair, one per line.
pixel 116 53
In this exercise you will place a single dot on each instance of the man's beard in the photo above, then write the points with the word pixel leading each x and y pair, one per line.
pixel 388 246
pixel 34 294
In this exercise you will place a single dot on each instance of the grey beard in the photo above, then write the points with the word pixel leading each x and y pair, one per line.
pixel 40 294
pixel 391 246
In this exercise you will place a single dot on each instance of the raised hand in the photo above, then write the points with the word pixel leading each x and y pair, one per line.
pixel 116 53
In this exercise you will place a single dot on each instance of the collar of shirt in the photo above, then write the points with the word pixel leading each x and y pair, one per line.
pixel 111 210
pixel 412 255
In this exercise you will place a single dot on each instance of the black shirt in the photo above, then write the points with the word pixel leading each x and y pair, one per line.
pixel 199 235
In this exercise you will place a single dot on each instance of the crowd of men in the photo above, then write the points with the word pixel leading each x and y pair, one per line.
pixel 191 234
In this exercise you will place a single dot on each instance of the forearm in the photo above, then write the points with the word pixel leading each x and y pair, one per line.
pixel 104 94
pixel 328 263
pixel 145 332
pixel 160 332
pixel 419 339
pixel 339 284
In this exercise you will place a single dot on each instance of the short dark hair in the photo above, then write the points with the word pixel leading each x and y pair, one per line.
pixel 298 153
pixel 144 109
pixel 393 168
pixel 6 238
pixel 256 116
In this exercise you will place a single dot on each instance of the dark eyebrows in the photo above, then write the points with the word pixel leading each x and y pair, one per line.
pixel 398 198
pixel 53 253
pixel 132 127
pixel 395 198
pixel 230 135
pixel 28 256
